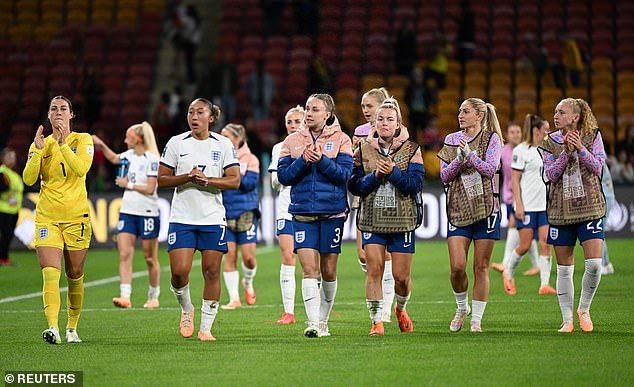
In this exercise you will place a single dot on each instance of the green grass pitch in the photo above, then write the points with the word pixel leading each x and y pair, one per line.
pixel 520 345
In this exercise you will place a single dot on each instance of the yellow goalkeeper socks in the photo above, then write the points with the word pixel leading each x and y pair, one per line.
pixel 50 295
pixel 75 300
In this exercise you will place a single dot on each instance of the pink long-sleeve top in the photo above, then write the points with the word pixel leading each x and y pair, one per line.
pixel 486 167
pixel 593 159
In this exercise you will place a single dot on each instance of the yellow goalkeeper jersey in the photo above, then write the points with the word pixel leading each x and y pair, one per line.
pixel 63 169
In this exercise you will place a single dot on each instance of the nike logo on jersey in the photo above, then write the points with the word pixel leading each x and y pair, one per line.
pixel 406 245
pixel 46 157
pixel 222 243
pixel 562 294
pixel 183 154
pixel 490 231
pixel 334 246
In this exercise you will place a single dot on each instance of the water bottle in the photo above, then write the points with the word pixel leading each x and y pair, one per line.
pixel 123 168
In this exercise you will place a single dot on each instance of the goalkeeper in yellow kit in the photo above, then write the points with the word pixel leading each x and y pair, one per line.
pixel 62 220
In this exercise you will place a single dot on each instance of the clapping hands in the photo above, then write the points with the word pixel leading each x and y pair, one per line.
pixel 312 153
pixel 572 141
pixel 384 167
pixel 197 177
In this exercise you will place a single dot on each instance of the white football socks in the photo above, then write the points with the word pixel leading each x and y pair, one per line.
pixel 329 289
pixel 287 284
pixel 565 290
pixel 477 310
pixel 153 293
pixel 388 289
pixel 589 283
pixel 312 299
pixel 183 298
pixel 125 290
pixel 375 307
pixel 462 300
pixel 512 239
pixel 514 262
pixel 533 254
pixel 401 301
pixel 248 275
pixel 544 263
pixel 209 311
pixel 231 282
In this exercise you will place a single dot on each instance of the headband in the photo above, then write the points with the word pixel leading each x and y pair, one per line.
pixel 132 133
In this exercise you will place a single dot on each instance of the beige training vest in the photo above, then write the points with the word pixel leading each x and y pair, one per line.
pixel 387 210
pixel 577 196
pixel 470 196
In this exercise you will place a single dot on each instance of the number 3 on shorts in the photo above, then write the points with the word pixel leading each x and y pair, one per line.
pixel 337 237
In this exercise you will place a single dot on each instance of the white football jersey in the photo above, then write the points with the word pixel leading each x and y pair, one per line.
pixel 193 204
pixel 141 168
pixel 526 158
pixel 284 197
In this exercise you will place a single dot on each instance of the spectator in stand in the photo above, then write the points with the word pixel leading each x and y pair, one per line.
pixel 11 188
pixel 571 65
pixel 418 98
pixel 272 16
pixel 621 167
pixel 162 120
pixel 185 33
pixel 465 39
pixel 260 88
pixel 320 79
pixel 222 84
pixel 405 48
pixel 535 56
pixel 92 91
pixel 436 55
pixel 177 109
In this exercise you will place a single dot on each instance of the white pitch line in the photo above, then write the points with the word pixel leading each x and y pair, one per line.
pixel 169 308
pixel 109 280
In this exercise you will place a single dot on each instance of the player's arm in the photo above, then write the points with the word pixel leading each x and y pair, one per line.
pixel 517 193
pixel 230 180
pixel 147 189
pixel 79 163
pixel 167 179
pixel 111 155
pixel 32 168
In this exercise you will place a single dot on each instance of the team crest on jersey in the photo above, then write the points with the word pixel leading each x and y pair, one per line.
pixel 171 238
pixel 120 225
pixel 281 223
pixel 329 146
pixel 235 154
pixel 215 155
pixel 74 149
pixel 154 166
pixel 43 232
pixel 515 158
pixel 367 235
pixel 300 236
pixel 554 233
pixel 30 156
pixel 451 227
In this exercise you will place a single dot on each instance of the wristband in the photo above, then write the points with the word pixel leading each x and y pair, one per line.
pixel 130 186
